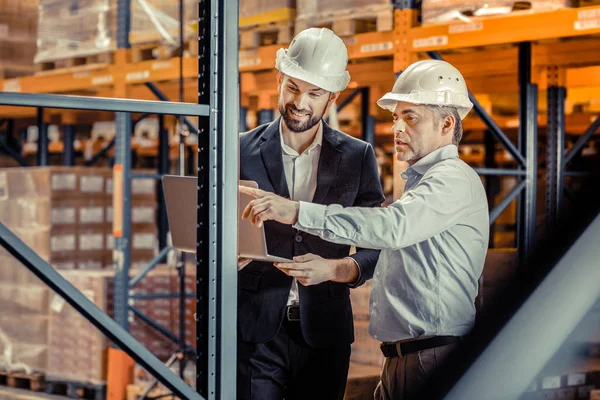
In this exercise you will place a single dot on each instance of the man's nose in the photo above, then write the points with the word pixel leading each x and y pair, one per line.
pixel 301 102
pixel 399 125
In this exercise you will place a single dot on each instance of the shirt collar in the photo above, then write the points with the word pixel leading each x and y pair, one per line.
pixel 317 141
pixel 423 165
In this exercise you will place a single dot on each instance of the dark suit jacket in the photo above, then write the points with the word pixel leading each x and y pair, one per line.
pixel 348 176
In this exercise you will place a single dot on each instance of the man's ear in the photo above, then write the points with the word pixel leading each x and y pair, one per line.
pixel 448 125
pixel 332 98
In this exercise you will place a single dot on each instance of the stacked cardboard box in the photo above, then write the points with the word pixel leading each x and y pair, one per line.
pixel 18 25
pixel 23 318
pixel 249 8
pixel 69 332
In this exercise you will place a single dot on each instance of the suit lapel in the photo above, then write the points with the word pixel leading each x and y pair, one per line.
pixel 270 151
pixel 328 164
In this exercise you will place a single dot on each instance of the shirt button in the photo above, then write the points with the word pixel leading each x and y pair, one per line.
pixel 298 238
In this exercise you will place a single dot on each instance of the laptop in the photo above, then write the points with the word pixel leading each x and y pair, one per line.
pixel 181 199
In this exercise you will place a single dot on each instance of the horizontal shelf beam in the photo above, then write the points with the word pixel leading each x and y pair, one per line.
pixel 522 26
pixel 102 104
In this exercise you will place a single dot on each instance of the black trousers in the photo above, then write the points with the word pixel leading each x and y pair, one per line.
pixel 288 368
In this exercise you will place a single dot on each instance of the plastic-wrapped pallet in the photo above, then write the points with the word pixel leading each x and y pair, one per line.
pixel 18 25
pixel 23 318
pixel 249 8
pixel 438 11
pixel 345 16
pixel 69 29
pixel 75 29
pixel 158 20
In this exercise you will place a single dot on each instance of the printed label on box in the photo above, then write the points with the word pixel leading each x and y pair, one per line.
pixel 92 184
pixel 65 242
pixel 91 215
pixel 57 304
pixel 430 41
pixel 375 47
pixel 109 185
pixel 470 27
pixel 551 382
pixel 91 241
pixel 142 186
pixel 576 379
pixel 3 30
pixel 65 181
pixel 67 265
pixel 143 214
pixel 143 241
pixel 3 186
pixel 110 241
pixel 12 85
pixel 63 215
pixel 90 264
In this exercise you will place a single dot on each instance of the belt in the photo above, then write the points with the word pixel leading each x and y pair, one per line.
pixel 292 313
pixel 413 346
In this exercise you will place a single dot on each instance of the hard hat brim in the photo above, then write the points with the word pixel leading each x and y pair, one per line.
pixel 389 101
pixel 290 68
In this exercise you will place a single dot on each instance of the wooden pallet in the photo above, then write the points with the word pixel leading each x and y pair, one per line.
pixel 161 51
pixel 33 381
pixel 75 63
pixel 75 389
pixel 280 32
pixel 9 71
pixel 351 21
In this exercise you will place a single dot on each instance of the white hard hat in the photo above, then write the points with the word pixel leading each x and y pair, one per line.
pixel 317 56
pixel 430 82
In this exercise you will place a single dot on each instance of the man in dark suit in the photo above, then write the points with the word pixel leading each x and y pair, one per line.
pixel 295 322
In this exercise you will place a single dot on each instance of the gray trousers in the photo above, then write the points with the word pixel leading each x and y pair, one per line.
pixel 405 377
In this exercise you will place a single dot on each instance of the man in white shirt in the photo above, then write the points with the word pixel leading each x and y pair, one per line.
pixel 294 335
pixel 433 239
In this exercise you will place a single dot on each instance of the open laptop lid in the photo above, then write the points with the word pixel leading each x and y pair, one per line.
pixel 181 199
pixel 251 240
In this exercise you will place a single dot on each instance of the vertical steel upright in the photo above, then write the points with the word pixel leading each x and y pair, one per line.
pixel 526 211
pixel 368 121
pixel 42 151
pixel 68 142
pixel 163 168
pixel 555 147
pixel 122 187
pixel 218 152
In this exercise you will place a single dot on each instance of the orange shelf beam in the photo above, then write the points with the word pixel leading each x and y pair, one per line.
pixel 510 28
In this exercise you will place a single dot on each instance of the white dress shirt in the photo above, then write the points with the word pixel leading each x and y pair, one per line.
pixel 433 240
pixel 301 177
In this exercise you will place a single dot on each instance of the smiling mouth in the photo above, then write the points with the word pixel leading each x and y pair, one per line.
pixel 298 114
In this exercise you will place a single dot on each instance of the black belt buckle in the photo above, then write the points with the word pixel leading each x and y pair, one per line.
pixel 292 313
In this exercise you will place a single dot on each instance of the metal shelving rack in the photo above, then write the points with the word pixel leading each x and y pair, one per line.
pixel 216 256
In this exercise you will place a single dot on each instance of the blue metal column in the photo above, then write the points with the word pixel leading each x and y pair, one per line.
pixel 122 188
pixel 68 143
pixel 163 168
pixel 526 211
pixel 368 121
pixel 265 116
pixel 491 181
pixel 42 150
pixel 243 116
pixel 218 169
pixel 555 149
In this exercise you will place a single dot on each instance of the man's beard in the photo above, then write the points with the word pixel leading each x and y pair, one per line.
pixel 297 126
